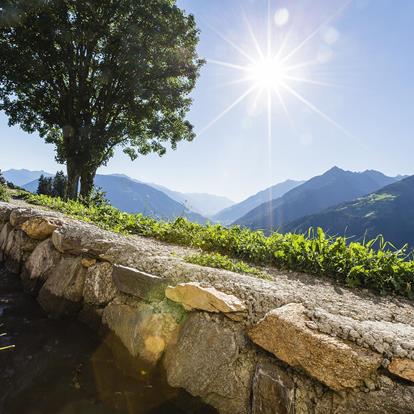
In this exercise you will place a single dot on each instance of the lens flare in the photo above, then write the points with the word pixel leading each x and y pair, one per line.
pixel 275 73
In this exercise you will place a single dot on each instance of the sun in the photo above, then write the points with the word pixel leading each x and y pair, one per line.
pixel 277 69
pixel 268 73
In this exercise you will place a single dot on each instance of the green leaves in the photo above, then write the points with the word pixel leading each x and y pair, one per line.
pixel 219 261
pixel 375 264
pixel 92 75
pixel 4 193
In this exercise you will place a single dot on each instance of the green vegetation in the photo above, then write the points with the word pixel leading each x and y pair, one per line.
pixel 4 191
pixel 371 264
pixel 93 75
pixel 389 211
pixel 53 186
pixel 220 261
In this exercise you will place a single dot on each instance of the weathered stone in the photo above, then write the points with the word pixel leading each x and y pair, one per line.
pixel 203 359
pixel 40 228
pixel 21 214
pixel 5 210
pixel 4 234
pixel 210 360
pixel 337 364
pixel 138 284
pixel 402 367
pixel 80 238
pixel 385 337
pixel 273 390
pixel 389 398
pixel 62 293
pixel 193 296
pixel 88 262
pixel 40 263
pixel 99 288
pixel 144 330
pixel 17 249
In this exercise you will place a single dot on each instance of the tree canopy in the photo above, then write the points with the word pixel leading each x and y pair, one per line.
pixel 92 75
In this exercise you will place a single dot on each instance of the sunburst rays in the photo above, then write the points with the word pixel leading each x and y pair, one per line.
pixel 275 73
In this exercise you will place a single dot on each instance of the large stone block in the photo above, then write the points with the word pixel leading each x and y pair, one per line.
pixel 403 367
pixel 21 214
pixel 193 296
pixel 139 284
pixel 79 238
pixel 273 390
pixel 389 397
pixel 336 363
pixel 5 211
pixel 38 266
pixel 144 330
pixel 40 228
pixel 99 287
pixel 62 293
pixel 17 249
pixel 211 360
pixel 4 234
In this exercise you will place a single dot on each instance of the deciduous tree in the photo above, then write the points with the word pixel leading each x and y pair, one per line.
pixel 93 75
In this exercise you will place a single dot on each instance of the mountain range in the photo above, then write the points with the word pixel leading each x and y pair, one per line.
pixel 327 190
pixel 22 177
pixel 355 204
pixel 202 203
pixel 234 212
pixel 389 211
pixel 135 196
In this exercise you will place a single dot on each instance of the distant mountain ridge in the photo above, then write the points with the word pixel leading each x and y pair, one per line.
pixel 388 211
pixel 231 214
pixel 341 202
pixel 133 196
pixel 202 203
pixel 327 190
pixel 22 177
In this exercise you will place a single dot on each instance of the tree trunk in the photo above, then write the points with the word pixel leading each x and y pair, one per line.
pixel 73 180
pixel 87 178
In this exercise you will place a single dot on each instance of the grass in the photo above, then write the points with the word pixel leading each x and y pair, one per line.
pixel 220 261
pixel 4 193
pixel 374 264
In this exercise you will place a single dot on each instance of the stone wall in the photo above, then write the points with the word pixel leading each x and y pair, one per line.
pixel 294 344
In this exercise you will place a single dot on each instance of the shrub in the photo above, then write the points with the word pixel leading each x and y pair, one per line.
pixel 375 264
pixel 4 192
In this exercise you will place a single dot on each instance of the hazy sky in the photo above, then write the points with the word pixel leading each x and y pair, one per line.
pixel 358 114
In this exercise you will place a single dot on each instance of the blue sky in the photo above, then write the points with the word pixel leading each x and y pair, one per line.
pixel 365 55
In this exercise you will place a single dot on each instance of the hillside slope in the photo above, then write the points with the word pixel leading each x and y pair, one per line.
pixel 389 211
pixel 133 196
pixel 327 190
pixel 202 203
pixel 231 214
pixel 22 177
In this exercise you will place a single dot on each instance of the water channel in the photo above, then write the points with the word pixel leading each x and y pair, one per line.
pixel 62 367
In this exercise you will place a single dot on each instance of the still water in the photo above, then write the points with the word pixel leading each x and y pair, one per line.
pixel 61 367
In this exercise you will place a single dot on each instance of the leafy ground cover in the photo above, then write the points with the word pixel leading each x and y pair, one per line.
pixel 4 193
pixel 373 264
pixel 220 261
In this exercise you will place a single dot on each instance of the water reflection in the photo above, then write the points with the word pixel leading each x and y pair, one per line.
pixel 61 367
